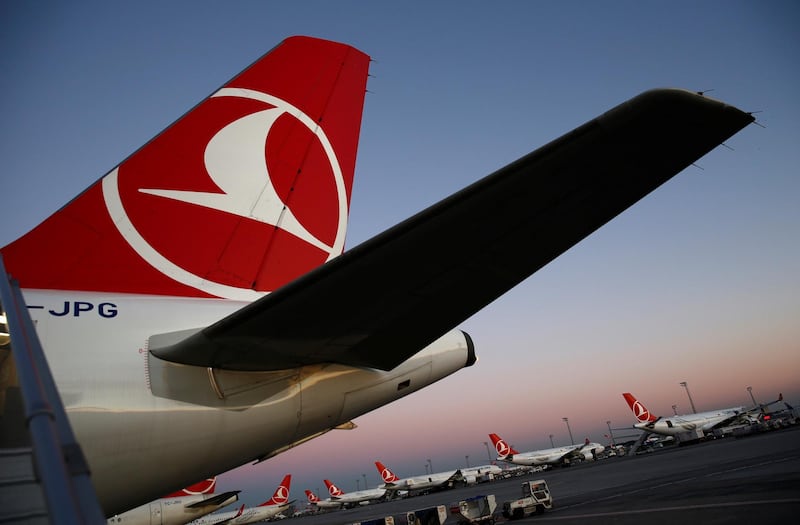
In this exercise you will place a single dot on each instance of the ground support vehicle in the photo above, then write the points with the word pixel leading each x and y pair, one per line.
pixel 478 509
pixel 535 499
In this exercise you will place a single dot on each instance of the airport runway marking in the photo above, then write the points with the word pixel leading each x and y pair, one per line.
pixel 677 482
pixel 667 509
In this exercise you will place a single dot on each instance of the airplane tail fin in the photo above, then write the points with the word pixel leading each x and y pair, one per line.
pixel 387 475
pixel 247 191
pixel 638 409
pixel 311 497
pixel 207 486
pixel 333 490
pixel 281 494
pixel 503 449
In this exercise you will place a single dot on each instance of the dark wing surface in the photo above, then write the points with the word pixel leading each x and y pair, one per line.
pixel 386 299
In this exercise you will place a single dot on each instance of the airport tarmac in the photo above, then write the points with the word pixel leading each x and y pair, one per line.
pixel 744 480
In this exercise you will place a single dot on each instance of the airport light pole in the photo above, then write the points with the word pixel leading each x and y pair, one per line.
pixel 551 441
pixel 431 464
pixel 365 480
pixel 610 433
pixel 675 409
pixel 750 391
pixel 467 458
pixel 426 469
pixel 488 454
pixel 358 484
pixel 566 420
pixel 686 386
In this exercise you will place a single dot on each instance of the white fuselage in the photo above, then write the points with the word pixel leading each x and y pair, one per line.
pixel 360 496
pixel 703 421
pixel 248 515
pixel 553 456
pixel 431 481
pixel 326 503
pixel 169 511
pixel 149 427
pixel 473 474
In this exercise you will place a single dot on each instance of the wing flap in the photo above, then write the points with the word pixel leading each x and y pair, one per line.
pixel 439 267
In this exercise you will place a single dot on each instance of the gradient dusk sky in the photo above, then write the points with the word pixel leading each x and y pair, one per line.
pixel 698 282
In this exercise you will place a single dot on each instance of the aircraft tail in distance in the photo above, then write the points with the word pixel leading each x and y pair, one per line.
pixel 238 197
pixel 638 409
pixel 281 494
pixel 333 490
pixel 311 497
pixel 387 475
pixel 503 449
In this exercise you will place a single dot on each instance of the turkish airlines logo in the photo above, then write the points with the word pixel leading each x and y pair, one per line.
pixel 334 490
pixel 641 413
pixel 195 201
pixel 281 495
pixel 388 476
pixel 502 448
pixel 312 498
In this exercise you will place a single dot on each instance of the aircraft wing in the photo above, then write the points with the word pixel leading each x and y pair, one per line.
pixel 386 299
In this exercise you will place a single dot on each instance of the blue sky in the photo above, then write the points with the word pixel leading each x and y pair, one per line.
pixel 698 282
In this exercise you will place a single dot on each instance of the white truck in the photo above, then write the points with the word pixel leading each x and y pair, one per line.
pixel 535 499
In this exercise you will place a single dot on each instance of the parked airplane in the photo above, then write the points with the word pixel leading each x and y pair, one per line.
pixel 201 274
pixel 179 507
pixel 672 425
pixel 471 475
pixel 428 482
pixel 278 503
pixel 322 504
pixel 548 456
pixel 358 497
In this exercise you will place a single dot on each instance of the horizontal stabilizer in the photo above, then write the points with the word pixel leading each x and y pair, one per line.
pixel 444 264
pixel 216 499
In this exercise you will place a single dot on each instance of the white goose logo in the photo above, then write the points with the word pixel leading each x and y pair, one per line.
pixel 281 495
pixel 387 475
pixel 502 448
pixel 641 412
pixel 235 161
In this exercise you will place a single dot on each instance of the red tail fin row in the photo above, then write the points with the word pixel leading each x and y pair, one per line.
pixel 247 191
pixel 312 498
pixel 638 409
pixel 387 475
pixel 281 494
pixel 333 490
pixel 502 448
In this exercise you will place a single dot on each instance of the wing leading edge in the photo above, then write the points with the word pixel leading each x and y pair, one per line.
pixel 386 299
